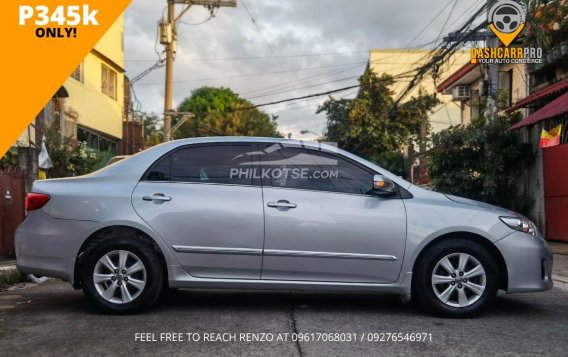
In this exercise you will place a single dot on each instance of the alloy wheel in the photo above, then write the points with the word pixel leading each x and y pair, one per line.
pixel 119 276
pixel 459 279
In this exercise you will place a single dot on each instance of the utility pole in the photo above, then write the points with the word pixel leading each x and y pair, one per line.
pixel 168 38
pixel 170 44
pixel 492 106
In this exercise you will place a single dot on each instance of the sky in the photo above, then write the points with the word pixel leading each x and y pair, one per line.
pixel 293 48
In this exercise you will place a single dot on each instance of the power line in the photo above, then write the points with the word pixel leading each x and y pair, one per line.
pixel 159 63
pixel 257 74
pixel 305 87
pixel 428 24
pixel 442 54
pixel 298 98
pixel 467 12
pixel 290 88
pixel 206 59
pixel 298 107
pixel 305 96
pixel 401 75
pixel 429 58
pixel 447 20
pixel 197 23
pixel 306 79
pixel 265 39
pixel 426 56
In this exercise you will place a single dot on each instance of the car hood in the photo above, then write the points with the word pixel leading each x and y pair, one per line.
pixel 483 205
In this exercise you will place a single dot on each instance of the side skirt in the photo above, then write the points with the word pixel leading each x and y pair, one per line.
pixel 178 278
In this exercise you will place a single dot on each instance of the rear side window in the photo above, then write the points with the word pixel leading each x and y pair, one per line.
pixel 221 164
pixel 162 171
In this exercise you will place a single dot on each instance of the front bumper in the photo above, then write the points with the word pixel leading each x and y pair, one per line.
pixel 47 246
pixel 529 262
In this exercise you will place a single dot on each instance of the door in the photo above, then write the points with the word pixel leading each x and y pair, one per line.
pixel 12 197
pixel 324 223
pixel 556 191
pixel 211 217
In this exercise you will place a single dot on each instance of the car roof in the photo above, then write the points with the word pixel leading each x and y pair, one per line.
pixel 232 139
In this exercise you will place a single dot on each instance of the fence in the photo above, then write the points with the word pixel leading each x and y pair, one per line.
pixel 12 196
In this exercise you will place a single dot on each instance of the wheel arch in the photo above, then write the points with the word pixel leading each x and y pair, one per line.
pixel 476 238
pixel 109 232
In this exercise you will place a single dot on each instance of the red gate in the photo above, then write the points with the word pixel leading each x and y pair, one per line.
pixel 12 196
pixel 555 162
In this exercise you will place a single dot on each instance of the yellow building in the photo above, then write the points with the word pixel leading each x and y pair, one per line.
pixel 399 62
pixel 90 104
pixel 94 110
pixel 402 65
pixel 471 80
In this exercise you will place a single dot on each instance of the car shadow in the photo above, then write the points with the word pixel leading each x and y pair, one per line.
pixel 66 300
pixel 354 302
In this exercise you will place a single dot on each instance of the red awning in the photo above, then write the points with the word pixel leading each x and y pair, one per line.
pixel 557 107
pixel 545 92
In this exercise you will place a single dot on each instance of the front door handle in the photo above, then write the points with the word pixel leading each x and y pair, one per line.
pixel 157 197
pixel 282 204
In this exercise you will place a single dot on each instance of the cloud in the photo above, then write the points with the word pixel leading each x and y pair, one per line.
pixel 218 52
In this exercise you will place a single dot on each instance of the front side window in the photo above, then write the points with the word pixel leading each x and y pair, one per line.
pixel 300 168
pixel 221 164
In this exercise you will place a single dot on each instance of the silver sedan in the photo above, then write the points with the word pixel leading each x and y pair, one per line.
pixel 272 214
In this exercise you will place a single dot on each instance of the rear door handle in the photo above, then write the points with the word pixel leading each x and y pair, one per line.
pixel 282 204
pixel 157 197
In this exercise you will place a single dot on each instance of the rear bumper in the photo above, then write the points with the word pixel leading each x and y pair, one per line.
pixel 48 247
pixel 529 262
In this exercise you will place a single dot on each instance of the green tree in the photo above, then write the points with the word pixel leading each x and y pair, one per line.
pixel 371 125
pixel 220 111
pixel 481 161
pixel 337 127
pixel 153 134
pixel 9 160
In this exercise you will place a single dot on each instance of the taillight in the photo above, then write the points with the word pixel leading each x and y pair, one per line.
pixel 36 200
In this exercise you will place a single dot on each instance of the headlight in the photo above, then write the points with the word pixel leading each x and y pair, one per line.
pixel 520 224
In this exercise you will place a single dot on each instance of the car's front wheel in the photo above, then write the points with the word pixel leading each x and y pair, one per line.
pixel 455 278
pixel 122 275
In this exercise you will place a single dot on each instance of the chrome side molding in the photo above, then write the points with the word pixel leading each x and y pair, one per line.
pixel 279 253
pixel 311 254
pixel 216 250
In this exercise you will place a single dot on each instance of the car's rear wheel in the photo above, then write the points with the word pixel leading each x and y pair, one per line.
pixel 122 275
pixel 455 278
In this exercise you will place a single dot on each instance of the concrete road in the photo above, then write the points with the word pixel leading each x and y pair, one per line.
pixel 53 319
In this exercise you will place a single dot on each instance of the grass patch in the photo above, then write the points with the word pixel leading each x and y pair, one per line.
pixel 8 277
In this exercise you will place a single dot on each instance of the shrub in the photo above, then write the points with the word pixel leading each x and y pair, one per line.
pixel 481 161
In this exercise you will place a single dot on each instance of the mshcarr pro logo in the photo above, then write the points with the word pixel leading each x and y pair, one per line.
pixel 506 20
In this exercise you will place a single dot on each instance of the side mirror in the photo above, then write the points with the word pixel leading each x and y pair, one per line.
pixel 383 186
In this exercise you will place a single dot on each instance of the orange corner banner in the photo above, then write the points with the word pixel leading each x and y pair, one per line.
pixel 45 40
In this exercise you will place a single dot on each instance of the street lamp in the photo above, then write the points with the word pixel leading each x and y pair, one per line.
pixel 304 132
pixel 318 136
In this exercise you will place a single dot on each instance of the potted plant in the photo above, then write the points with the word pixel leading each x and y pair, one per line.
pixel 547 28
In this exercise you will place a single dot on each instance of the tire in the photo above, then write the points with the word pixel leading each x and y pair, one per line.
pixel 463 293
pixel 143 286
